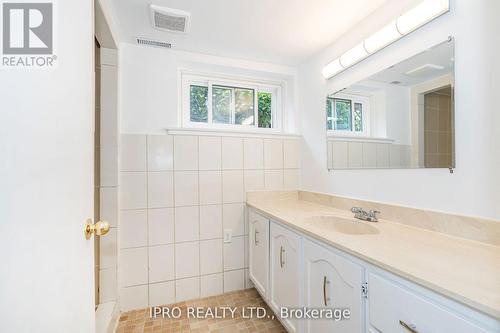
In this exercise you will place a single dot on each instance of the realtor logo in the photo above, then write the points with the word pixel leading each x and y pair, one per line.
pixel 28 34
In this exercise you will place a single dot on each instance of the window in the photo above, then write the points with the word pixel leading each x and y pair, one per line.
pixel 347 115
pixel 215 103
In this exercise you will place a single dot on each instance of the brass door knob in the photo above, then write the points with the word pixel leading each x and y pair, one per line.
pixel 100 228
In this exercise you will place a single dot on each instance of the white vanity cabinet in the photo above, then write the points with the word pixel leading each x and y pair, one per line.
pixel 331 281
pixel 258 255
pixel 294 270
pixel 285 248
pixel 396 308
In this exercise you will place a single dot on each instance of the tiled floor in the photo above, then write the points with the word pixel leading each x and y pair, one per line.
pixel 140 321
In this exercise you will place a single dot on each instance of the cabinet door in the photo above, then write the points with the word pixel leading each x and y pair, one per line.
pixel 258 251
pixel 393 308
pixel 285 260
pixel 330 281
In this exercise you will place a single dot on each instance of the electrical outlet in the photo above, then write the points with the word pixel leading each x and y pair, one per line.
pixel 228 235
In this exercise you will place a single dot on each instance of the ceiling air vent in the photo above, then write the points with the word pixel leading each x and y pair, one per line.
pixel 424 70
pixel 169 19
pixel 154 43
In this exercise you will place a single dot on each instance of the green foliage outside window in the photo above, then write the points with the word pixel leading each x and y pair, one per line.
pixel 343 115
pixel 358 117
pixel 221 104
pixel 265 109
pixel 199 104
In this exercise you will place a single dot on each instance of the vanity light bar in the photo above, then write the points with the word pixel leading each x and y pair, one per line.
pixel 413 19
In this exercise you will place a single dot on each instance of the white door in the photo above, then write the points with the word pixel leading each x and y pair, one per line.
pixel 46 184
pixel 333 282
pixel 284 279
pixel 259 251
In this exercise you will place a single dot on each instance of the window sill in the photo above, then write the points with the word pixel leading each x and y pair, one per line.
pixel 230 132
pixel 358 138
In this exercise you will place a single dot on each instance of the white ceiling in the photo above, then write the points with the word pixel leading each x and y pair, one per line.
pixel 440 55
pixel 279 31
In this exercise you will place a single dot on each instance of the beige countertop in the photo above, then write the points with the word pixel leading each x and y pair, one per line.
pixel 463 270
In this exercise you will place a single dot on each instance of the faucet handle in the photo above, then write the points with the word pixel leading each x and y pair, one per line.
pixel 356 209
pixel 373 213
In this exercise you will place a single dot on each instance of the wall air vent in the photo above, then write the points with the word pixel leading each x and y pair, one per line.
pixel 169 19
pixel 154 43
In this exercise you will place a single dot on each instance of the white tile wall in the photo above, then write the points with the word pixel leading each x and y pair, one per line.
pixel 273 154
pixel 210 221
pixel 185 152
pixel 193 189
pixel 211 285
pixel 186 188
pixel 161 226
pixel 254 153
pixel 134 297
pixel 160 152
pixel 291 154
pixel 210 256
pixel 348 154
pixel 162 293
pixel 187 224
pixel 133 266
pixel 109 205
pixel 186 289
pixel 232 153
pixel 355 155
pixel 210 154
pixel 273 179
pixel 133 153
pixel 133 228
pixel 161 263
pixel 109 174
pixel 133 190
pixel 160 189
pixel 369 155
pixel 187 259
pixel 233 218
pixel 382 155
pixel 234 280
pixel 210 187
pixel 233 186
pixel 108 249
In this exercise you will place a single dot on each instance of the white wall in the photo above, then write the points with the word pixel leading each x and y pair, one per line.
pixel 150 77
pixel 474 188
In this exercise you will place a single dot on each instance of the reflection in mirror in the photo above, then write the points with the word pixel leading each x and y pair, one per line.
pixel 401 117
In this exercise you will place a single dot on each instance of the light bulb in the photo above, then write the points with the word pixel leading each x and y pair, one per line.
pixel 354 55
pixel 382 38
pixel 332 68
pixel 421 14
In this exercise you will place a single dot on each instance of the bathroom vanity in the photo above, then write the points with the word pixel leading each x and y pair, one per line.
pixel 391 276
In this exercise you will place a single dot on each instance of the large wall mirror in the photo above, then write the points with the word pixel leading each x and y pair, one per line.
pixel 401 117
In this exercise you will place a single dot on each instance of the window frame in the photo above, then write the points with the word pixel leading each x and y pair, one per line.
pixel 365 115
pixel 275 88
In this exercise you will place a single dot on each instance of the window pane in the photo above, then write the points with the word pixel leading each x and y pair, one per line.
pixel 244 106
pixel 358 117
pixel 343 115
pixel 329 114
pixel 265 109
pixel 199 104
pixel 221 104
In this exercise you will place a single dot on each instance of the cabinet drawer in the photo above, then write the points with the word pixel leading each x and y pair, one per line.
pixel 395 309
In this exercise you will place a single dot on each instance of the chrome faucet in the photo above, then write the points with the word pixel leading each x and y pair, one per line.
pixel 361 214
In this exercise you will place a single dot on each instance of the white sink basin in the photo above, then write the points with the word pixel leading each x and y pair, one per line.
pixel 345 226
